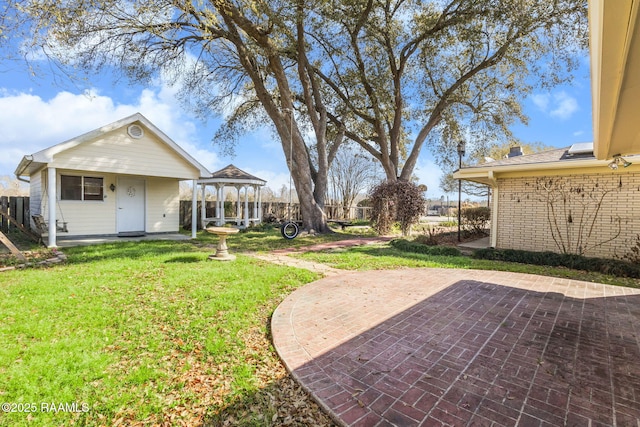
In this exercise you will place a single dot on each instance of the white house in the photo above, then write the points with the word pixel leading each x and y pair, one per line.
pixel 120 179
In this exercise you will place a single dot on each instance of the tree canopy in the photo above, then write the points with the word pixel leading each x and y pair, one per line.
pixel 407 72
pixel 391 75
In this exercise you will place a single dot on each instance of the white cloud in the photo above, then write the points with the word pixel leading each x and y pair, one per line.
pixel 30 123
pixel 541 101
pixel 559 105
pixel 578 133
pixel 565 106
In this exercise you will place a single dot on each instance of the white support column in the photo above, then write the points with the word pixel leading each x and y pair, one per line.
pixel 255 202
pixel 246 207
pixel 52 187
pixel 203 208
pixel 194 209
pixel 221 218
pixel 259 205
pixel 238 206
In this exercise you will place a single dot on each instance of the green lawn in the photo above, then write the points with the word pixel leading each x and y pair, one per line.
pixel 130 332
pixel 384 256
pixel 153 332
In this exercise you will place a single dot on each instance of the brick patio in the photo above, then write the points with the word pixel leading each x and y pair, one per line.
pixel 438 347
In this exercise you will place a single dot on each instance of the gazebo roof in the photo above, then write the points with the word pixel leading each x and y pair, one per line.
pixel 231 175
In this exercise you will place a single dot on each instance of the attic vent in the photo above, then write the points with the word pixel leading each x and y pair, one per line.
pixel 135 131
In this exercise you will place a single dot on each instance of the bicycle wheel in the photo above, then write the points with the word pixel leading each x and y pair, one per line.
pixel 289 230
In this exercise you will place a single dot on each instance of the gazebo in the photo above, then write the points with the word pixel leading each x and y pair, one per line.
pixel 233 177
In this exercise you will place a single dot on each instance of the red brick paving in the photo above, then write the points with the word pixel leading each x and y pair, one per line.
pixel 439 347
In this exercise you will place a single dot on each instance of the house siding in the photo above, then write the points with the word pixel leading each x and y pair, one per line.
pixel 116 152
pixel 525 220
pixel 85 217
pixel 163 205
pixel 90 217
pixel 35 193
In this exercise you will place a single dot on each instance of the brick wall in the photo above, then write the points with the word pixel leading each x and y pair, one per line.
pixel 551 213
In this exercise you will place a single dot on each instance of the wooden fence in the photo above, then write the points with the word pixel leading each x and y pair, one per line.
pixel 14 211
pixel 270 210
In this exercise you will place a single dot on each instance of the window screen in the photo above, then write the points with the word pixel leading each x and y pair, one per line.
pixel 81 188
pixel 92 188
pixel 71 187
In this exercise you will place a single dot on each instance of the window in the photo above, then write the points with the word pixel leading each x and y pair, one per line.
pixel 81 188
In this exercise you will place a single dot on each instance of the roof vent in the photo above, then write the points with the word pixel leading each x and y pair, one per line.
pixel 135 131
pixel 514 152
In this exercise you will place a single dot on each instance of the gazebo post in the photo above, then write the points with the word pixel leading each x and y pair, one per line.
pixel 246 206
pixel 259 216
pixel 255 201
pixel 221 218
pixel 203 208
pixel 238 206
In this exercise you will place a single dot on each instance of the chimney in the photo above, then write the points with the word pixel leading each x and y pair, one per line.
pixel 515 152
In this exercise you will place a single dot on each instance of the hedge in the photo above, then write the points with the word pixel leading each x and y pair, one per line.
pixel 419 248
pixel 577 262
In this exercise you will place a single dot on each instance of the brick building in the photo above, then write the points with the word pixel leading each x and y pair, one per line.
pixel 563 200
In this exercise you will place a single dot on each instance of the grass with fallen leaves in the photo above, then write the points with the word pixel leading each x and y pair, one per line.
pixel 148 333
pixel 385 257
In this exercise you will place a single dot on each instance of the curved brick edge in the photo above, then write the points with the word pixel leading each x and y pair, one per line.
pixel 291 353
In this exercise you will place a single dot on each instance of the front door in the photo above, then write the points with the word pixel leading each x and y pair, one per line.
pixel 130 215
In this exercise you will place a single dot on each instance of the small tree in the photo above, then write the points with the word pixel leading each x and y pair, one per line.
pixel 352 172
pixel 400 201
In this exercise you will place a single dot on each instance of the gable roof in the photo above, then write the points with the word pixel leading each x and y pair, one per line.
pixel 231 174
pixel 32 162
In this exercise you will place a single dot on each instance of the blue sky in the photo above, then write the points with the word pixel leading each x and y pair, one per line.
pixel 37 112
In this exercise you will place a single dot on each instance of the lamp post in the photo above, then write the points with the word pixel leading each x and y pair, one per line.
pixel 461 147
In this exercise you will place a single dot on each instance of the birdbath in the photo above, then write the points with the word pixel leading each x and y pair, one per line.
pixel 222 252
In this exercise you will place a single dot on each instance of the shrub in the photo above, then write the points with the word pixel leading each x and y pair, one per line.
pixel 418 248
pixel 431 238
pixel 449 224
pixel 392 201
pixel 576 262
pixel 633 256
pixel 476 220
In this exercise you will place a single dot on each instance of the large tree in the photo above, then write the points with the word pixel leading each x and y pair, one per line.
pixel 408 72
pixel 390 75
pixel 228 56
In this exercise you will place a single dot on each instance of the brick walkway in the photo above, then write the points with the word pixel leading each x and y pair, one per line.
pixel 439 347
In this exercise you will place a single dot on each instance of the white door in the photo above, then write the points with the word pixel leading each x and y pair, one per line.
pixel 131 205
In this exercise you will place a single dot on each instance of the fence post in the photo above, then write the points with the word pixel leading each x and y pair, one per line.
pixel 4 221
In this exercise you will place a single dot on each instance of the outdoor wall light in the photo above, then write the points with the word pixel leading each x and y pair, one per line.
pixel 112 187
pixel 618 160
